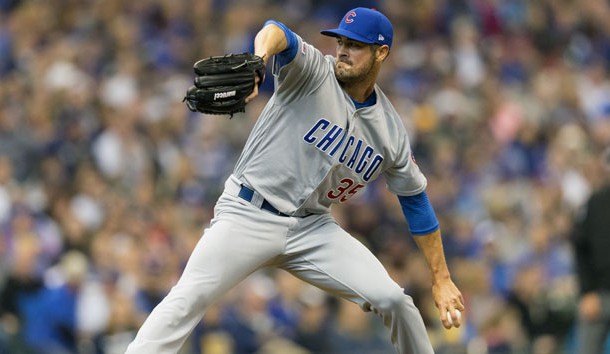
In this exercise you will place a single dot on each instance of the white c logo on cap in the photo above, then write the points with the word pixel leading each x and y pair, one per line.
pixel 349 18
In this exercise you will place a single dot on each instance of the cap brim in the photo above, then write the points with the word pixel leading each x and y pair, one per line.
pixel 347 34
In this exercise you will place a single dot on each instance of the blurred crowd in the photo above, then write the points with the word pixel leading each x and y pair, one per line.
pixel 107 180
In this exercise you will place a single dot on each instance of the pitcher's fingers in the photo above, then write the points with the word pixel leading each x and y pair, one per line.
pixel 455 318
pixel 255 90
pixel 253 94
pixel 446 319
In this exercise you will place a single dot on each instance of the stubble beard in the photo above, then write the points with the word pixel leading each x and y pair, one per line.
pixel 349 76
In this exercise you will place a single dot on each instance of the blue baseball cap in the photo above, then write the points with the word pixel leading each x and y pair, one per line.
pixel 364 25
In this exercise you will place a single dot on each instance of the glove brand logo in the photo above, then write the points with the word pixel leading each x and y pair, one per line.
pixel 349 18
pixel 226 94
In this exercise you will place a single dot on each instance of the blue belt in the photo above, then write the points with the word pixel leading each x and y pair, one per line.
pixel 246 194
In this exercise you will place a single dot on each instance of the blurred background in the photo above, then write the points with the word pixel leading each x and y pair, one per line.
pixel 107 180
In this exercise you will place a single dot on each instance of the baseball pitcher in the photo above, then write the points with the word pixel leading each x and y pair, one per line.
pixel 327 131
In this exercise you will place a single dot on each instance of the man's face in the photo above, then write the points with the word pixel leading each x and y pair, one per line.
pixel 355 60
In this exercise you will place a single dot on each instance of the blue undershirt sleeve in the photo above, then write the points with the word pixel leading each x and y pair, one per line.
pixel 286 56
pixel 419 214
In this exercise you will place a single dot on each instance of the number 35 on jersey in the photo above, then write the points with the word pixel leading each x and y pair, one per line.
pixel 344 191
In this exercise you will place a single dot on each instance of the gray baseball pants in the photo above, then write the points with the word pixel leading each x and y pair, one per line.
pixel 243 238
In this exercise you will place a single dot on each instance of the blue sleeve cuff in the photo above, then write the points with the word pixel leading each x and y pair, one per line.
pixel 419 214
pixel 286 56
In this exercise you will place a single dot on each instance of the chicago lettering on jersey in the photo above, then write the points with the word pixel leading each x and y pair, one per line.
pixel 353 152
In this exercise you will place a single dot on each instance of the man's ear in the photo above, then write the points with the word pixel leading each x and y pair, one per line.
pixel 382 52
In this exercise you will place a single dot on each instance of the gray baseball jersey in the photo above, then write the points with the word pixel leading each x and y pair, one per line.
pixel 336 149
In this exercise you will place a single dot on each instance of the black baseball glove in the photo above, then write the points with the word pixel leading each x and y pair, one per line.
pixel 222 83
